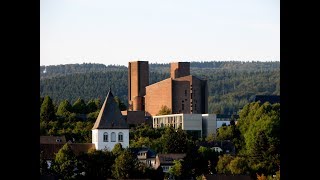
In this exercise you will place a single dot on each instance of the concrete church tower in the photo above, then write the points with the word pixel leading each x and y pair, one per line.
pixel 110 127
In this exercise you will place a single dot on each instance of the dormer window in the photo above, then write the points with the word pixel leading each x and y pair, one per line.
pixel 58 140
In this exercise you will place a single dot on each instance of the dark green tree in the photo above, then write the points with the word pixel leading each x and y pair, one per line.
pixel 164 110
pixel 175 140
pixel 96 164
pixel 223 164
pixel 126 165
pixel 91 106
pixel 47 112
pixel 43 165
pixel 64 109
pixel 65 163
pixel 79 106
pixel 117 149
pixel 238 165
pixel 121 105
pixel 176 169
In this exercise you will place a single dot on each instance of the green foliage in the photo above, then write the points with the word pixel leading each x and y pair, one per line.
pixel 223 164
pixel 126 165
pixel 231 85
pixel 92 117
pixel 238 166
pixel 65 162
pixel 92 106
pixel 47 112
pixel 164 111
pixel 175 141
pixel 121 105
pixel 64 109
pixel 79 106
pixel 117 149
pixel 176 169
pixel 43 165
pixel 260 126
pixel 96 164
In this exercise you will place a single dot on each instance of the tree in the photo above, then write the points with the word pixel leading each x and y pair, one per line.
pixel 121 105
pixel 43 165
pixel 79 106
pixel 64 109
pixel 65 162
pixel 91 106
pixel 164 110
pixel 47 112
pixel 223 164
pixel 96 164
pixel 175 141
pixel 176 169
pixel 238 166
pixel 260 126
pixel 125 166
pixel 117 149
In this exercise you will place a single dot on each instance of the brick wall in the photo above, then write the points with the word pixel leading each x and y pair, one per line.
pixel 158 94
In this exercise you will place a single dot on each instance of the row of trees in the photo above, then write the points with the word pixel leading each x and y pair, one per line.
pixel 228 90
pixel 73 121
pixel 97 164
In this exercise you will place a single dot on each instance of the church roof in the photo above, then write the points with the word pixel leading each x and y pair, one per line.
pixel 110 116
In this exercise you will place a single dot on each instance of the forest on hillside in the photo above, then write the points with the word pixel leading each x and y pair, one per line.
pixel 231 84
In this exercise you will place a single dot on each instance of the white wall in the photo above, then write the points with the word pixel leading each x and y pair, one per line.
pixel 192 122
pixel 98 139
pixel 209 124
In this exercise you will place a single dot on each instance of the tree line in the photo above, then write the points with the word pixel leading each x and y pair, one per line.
pixel 230 84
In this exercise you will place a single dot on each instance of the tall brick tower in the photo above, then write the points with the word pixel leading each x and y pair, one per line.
pixel 138 79
pixel 179 69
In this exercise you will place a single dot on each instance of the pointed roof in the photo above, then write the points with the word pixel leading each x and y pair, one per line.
pixel 110 116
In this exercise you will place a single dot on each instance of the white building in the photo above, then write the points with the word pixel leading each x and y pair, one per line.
pixel 110 127
pixel 197 124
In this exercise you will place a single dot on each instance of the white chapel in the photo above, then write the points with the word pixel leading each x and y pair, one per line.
pixel 110 127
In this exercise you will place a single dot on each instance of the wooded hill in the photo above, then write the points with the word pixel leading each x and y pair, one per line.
pixel 231 84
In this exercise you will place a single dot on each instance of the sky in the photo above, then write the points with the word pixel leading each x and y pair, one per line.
pixel 162 31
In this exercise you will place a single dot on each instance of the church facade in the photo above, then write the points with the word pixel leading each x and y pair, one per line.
pixel 110 127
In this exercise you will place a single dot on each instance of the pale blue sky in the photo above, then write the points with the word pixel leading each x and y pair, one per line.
pixel 118 31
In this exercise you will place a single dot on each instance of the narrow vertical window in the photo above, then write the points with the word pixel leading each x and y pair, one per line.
pixel 105 137
pixel 120 137
pixel 113 137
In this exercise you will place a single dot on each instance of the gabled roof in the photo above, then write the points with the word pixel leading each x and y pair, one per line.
pixel 150 153
pixel 169 158
pixel 110 116
pixel 52 140
pixel 49 150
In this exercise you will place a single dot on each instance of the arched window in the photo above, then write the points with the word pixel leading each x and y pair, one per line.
pixel 113 137
pixel 105 137
pixel 120 137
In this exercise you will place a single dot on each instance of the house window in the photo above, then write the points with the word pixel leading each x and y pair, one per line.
pixel 185 92
pixel 182 107
pixel 120 137
pixel 105 137
pixel 113 137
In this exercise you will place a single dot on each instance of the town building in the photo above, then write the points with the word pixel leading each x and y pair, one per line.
pixel 182 92
pixel 166 160
pixel 110 127
pixel 146 156
pixel 198 125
